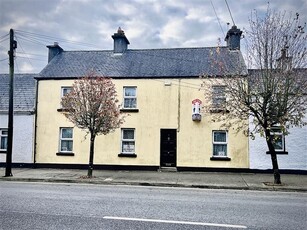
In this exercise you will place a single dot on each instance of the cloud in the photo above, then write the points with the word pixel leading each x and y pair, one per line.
pixel 147 23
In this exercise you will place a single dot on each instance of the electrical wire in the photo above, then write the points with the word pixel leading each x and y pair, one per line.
pixel 217 18
pixel 48 38
pixel 230 13
pixel 40 55
pixel 23 51
pixel 4 59
pixel 3 36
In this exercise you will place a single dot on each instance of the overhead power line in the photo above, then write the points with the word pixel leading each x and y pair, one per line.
pixel 34 37
pixel 230 13
pixel 217 19
pixel 4 36
pixel 24 51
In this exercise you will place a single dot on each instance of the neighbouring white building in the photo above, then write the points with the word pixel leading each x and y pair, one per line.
pixel 291 153
pixel 23 123
pixel 291 149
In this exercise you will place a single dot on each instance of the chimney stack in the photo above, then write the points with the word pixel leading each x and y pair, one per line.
pixel 233 38
pixel 54 50
pixel 120 41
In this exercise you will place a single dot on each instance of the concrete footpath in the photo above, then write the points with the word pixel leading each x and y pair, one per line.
pixel 210 180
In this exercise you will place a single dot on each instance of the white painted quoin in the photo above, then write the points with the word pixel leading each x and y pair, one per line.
pixel 23 120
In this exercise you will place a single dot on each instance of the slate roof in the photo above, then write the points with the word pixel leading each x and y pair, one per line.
pixel 299 73
pixel 24 92
pixel 144 63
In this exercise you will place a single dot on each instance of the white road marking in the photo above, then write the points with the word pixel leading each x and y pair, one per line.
pixel 174 222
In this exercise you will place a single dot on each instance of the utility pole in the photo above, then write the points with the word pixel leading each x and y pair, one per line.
pixel 13 46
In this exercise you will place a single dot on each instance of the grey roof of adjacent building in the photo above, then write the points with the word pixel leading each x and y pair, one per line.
pixel 147 63
pixel 24 92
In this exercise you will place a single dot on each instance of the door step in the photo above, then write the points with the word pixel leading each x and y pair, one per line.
pixel 167 169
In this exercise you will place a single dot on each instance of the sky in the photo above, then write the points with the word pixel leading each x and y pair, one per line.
pixel 148 24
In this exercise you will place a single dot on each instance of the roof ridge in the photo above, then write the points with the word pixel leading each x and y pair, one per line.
pixel 175 48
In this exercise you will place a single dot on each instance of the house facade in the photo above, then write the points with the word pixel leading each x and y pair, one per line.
pixel 23 120
pixel 160 94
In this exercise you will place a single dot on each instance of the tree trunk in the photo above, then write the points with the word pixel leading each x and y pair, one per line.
pixel 269 141
pixel 91 163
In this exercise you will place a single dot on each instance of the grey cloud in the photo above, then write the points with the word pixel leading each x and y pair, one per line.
pixel 144 21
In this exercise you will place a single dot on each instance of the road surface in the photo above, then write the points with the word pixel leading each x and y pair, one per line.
pixel 25 205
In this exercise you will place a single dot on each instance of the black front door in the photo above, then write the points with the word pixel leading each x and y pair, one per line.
pixel 168 146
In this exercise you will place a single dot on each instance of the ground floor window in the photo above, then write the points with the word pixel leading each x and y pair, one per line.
pixel 3 139
pixel 66 140
pixel 219 143
pixel 128 141
pixel 278 139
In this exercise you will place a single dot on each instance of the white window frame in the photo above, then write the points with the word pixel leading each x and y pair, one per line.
pixel 276 131
pixel 127 140
pixel 220 143
pixel 69 88
pixel 63 88
pixel 66 139
pixel 129 97
pixel 2 135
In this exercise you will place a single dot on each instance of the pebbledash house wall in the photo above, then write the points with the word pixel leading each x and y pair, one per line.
pixel 161 104
pixel 295 146
pixel 22 151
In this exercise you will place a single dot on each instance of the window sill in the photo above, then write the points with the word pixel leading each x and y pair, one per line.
pixel 127 155
pixel 65 154
pixel 3 151
pixel 129 110
pixel 62 110
pixel 219 110
pixel 220 159
pixel 279 152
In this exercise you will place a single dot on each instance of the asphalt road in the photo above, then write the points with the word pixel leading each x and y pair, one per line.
pixel 25 205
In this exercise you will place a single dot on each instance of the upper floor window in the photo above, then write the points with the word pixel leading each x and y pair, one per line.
pixel 218 96
pixel 130 97
pixel 3 139
pixel 65 90
pixel 219 143
pixel 66 139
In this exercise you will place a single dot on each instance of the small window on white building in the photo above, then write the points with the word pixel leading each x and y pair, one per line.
pixel 278 139
pixel 130 97
pixel 3 139
pixel 66 140
pixel 128 141
pixel 219 143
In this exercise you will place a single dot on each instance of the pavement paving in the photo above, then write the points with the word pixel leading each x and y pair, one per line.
pixel 209 180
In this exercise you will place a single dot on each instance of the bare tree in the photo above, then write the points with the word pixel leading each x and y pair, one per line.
pixel 92 106
pixel 273 92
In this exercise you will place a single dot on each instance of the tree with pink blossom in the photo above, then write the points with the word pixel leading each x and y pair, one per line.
pixel 92 105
